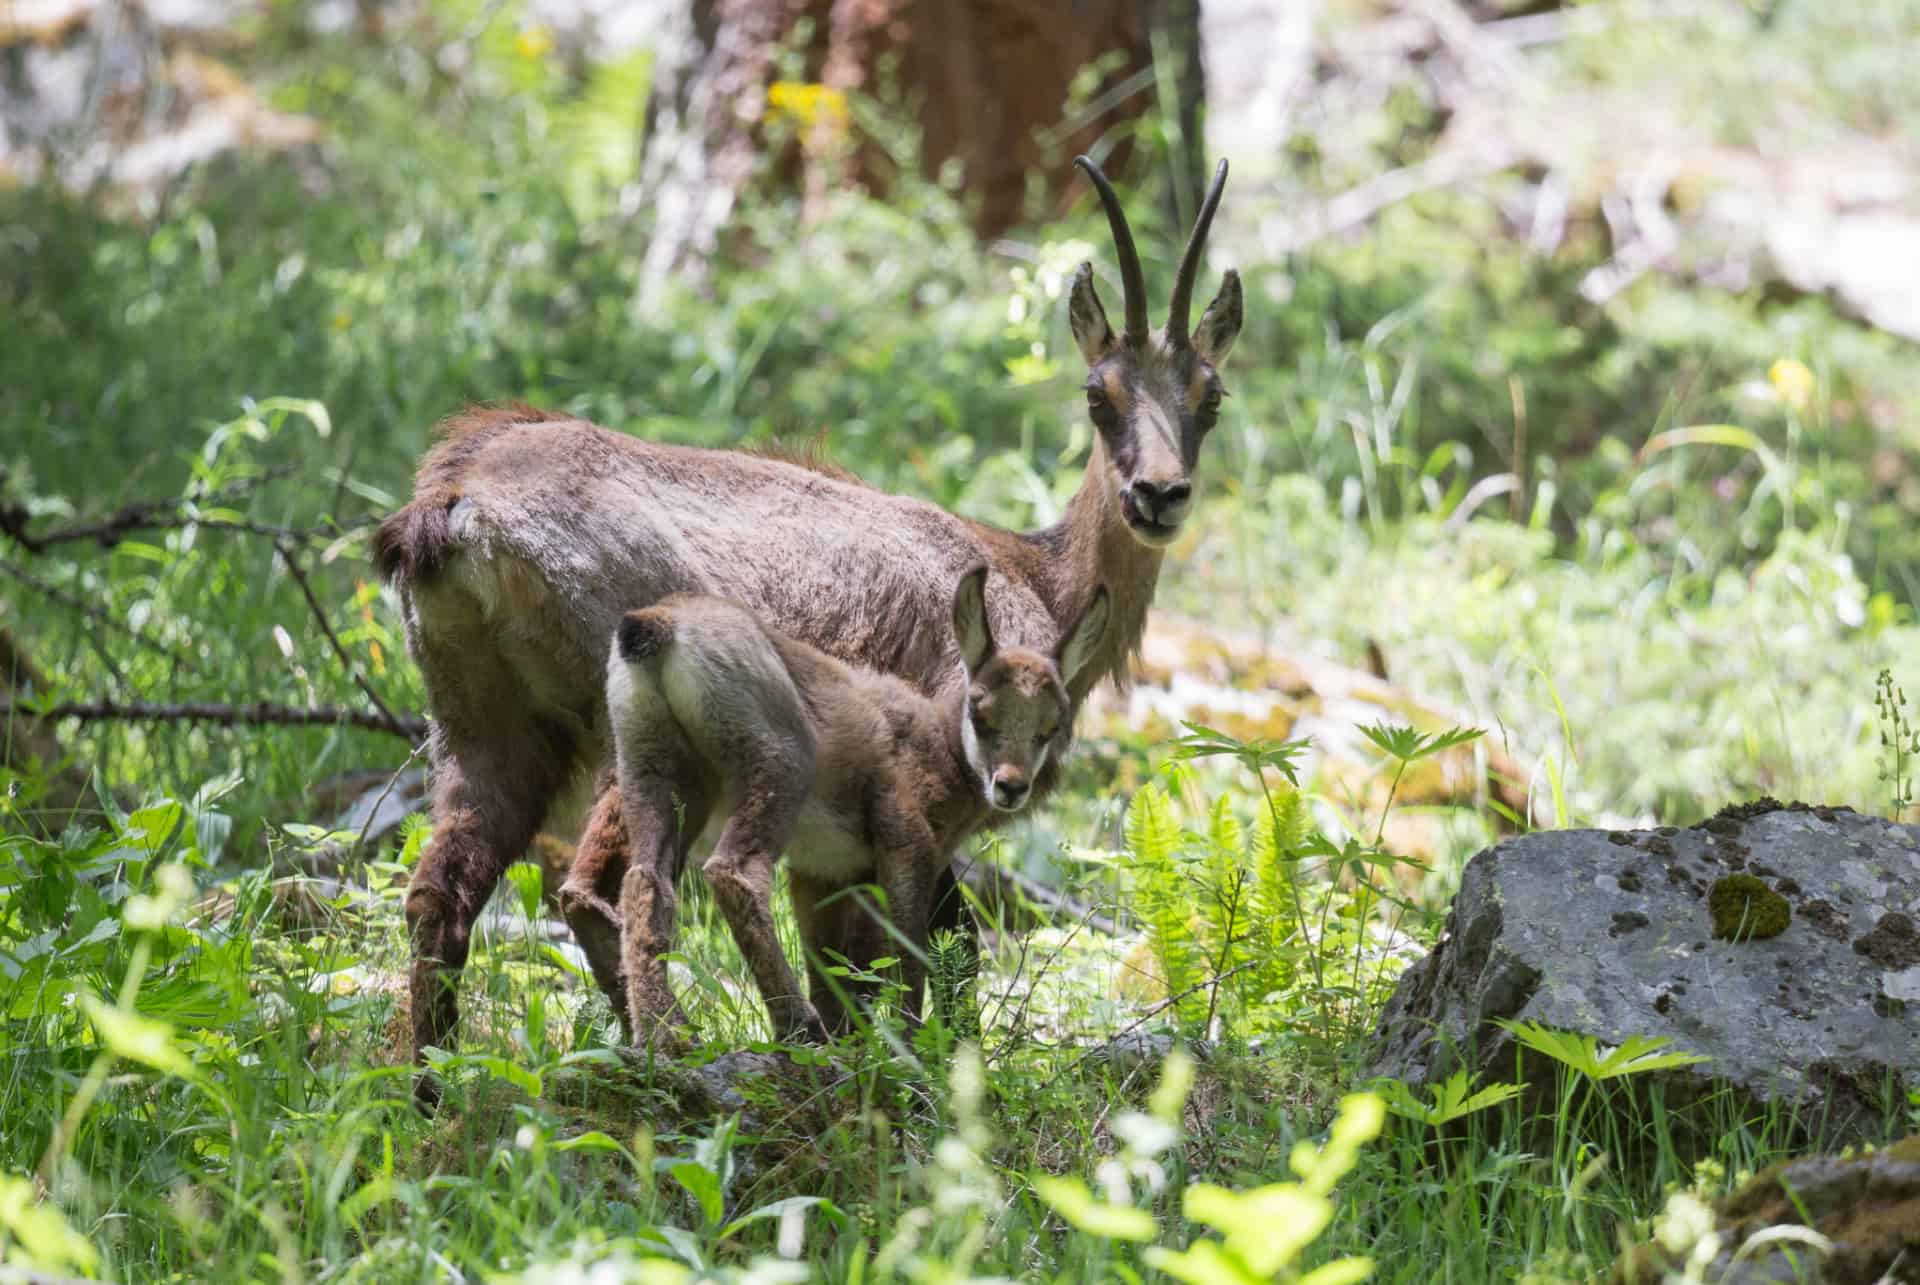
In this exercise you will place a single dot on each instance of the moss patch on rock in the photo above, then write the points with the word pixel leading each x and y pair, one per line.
pixel 1743 907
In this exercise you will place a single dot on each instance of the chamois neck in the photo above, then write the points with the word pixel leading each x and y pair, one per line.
pixel 961 806
pixel 1092 546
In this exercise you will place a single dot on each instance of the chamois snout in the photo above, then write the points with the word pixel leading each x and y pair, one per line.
pixel 1010 788
pixel 1159 506
pixel 642 634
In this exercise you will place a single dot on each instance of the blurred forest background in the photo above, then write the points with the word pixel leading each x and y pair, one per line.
pixel 1575 403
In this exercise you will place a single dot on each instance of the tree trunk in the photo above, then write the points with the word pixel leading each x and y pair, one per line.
pixel 994 86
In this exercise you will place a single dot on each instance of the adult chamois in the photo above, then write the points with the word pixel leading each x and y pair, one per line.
pixel 850 775
pixel 530 534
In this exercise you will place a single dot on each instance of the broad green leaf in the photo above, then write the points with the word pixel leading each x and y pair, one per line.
pixel 1342 1271
pixel 1176 1082
pixel 500 1068
pixel 779 1209
pixel 138 1039
pixel 1070 1198
pixel 528 881
pixel 700 1182
pixel 591 1140
pixel 1265 1228
pixel 1202 1263
pixel 40 1229
pixel 376 1192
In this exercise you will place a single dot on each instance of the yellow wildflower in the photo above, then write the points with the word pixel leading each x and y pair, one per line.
pixel 533 42
pixel 341 320
pixel 1792 381
pixel 806 102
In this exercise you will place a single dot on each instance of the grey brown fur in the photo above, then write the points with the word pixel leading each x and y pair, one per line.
pixel 851 775
pixel 530 534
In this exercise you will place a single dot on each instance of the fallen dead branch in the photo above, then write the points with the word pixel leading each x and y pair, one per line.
pixel 259 713
pixel 161 515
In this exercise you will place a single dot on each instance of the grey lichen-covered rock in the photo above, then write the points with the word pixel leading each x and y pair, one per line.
pixel 1610 934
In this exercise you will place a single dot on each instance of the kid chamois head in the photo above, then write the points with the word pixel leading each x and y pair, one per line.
pixel 1017 713
pixel 1153 395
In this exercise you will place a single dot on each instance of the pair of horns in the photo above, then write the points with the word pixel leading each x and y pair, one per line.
pixel 1133 283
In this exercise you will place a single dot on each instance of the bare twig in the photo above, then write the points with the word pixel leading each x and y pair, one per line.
pixel 333 639
pixel 360 842
pixel 96 613
pixel 1156 1010
pixel 163 515
pixel 996 885
pixel 225 715
pixel 140 515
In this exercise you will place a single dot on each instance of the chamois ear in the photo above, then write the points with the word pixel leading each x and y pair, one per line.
pixel 1078 647
pixel 1087 318
pixel 970 627
pixel 1220 323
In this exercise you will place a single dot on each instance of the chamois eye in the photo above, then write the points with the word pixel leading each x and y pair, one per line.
pixel 1098 406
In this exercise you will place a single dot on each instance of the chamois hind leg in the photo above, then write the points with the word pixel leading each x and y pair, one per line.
pixel 590 897
pixel 664 815
pixel 740 872
pixel 490 796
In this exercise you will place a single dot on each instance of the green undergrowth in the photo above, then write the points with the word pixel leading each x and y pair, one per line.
pixel 203 1068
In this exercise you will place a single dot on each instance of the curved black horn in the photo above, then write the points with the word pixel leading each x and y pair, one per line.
pixel 1177 333
pixel 1132 283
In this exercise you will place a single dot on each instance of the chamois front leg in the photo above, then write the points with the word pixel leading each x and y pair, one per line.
pixel 815 924
pixel 837 919
pixel 907 868
pixel 740 872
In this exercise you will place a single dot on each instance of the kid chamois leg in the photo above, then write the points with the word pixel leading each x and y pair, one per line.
pixel 907 870
pixel 664 815
pixel 590 897
pixel 836 920
pixel 740 872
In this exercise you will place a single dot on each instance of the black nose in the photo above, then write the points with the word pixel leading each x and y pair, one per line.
pixel 1159 497
pixel 1010 794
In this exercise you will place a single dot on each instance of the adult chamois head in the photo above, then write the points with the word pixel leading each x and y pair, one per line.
pixel 1153 394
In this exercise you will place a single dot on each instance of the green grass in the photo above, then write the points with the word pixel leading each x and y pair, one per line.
pixel 1665 623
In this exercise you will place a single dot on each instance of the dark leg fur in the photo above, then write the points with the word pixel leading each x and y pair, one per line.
pixel 740 873
pixel 664 815
pixel 486 809
pixel 590 897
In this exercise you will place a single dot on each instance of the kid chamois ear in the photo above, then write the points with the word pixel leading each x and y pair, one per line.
pixel 1077 649
pixel 970 627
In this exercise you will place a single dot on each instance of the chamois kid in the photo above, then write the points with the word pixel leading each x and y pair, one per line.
pixel 853 775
